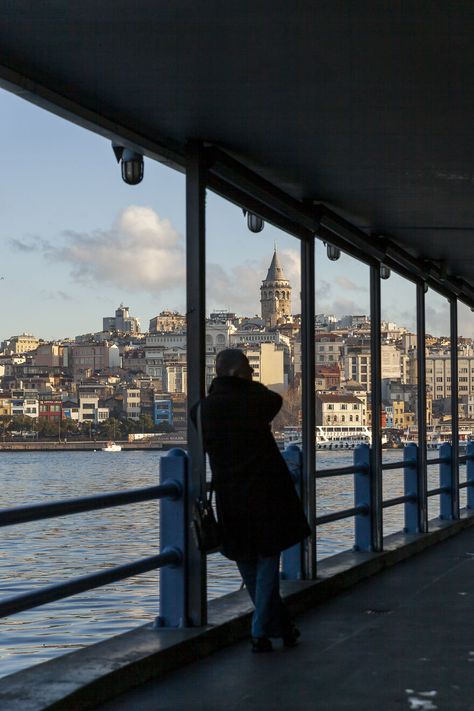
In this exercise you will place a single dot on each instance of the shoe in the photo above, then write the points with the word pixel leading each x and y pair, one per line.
pixel 291 637
pixel 261 644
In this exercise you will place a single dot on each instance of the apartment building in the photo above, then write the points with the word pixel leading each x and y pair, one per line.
pixel 342 409
pixel 132 403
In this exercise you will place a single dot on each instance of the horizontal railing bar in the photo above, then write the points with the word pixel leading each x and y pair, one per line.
pixel 465 484
pixel 338 515
pixel 441 490
pixel 398 500
pixel 398 465
pixel 340 471
pixel 441 460
pixel 58 591
pixel 65 507
pixel 463 459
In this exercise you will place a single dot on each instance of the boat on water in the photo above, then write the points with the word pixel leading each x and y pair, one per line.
pixel 438 435
pixel 112 447
pixel 333 437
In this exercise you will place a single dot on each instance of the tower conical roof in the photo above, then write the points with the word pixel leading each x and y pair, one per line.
pixel 275 270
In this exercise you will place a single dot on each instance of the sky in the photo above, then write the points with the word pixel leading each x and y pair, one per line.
pixel 76 242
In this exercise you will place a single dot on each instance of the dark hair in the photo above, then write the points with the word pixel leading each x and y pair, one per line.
pixel 230 360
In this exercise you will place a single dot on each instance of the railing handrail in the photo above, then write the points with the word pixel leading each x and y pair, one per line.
pixel 58 591
pixel 66 507
pixel 345 513
pixel 339 471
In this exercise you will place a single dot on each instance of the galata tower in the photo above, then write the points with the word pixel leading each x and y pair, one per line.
pixel 275 295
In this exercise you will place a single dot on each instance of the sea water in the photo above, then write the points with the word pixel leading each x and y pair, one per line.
pixel 52 551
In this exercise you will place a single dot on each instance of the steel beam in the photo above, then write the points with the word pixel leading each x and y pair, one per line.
pixel 253 204
pixel 308 401
pixel 231 171
pixel 422 471
pixel 196 354
pixel 376 493
pixel 454 407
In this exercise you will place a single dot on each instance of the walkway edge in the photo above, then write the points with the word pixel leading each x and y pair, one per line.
pixel 85 678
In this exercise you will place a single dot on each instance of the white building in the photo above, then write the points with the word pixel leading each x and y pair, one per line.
pixel 131 403
pixel 340 409
pixel 89 410
pixel 169 339
pixel 175 377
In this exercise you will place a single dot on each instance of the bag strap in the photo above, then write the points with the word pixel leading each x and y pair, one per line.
pixel 202 453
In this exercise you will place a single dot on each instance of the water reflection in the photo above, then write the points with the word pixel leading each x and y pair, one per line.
pixel 37 554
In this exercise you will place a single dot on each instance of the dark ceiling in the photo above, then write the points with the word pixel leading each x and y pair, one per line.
pixel 365 105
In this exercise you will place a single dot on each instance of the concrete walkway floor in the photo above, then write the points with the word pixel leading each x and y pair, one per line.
pixel 402 640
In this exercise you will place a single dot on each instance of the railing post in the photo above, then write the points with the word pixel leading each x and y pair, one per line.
pixel 292 559
pixel 173 534
pixel 470 474
pixel 376 481
pixel 446 481
pixel 413 514
pixel 362 497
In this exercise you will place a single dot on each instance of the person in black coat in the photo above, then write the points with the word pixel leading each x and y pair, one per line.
pixel 257 505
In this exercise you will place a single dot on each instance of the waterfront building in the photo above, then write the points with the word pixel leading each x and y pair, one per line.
pixel 90 411
pixel 162 410
pixel 5 406
pixel 131 403
pixel 50 408
pixel 25 403
pixel 275 295
pixel 339 408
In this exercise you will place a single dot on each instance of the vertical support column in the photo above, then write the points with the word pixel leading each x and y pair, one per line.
pixel 454 407
pixel 362 490
pixel 470 474
pixel 195 324
pixel 173 534
pixel 422 469
pixel 308 402
pixel 411 479
pixel 446 481
pixel 376 497
pixel 292 567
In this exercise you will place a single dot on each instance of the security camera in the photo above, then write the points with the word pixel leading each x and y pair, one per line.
pixel 254 222
pixel 132 164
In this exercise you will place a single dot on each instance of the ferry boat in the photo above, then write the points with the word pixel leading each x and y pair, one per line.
pixel 438 435
pixel 112 447
pixel 335 436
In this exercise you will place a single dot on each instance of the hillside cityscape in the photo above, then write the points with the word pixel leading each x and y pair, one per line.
pixel 120 381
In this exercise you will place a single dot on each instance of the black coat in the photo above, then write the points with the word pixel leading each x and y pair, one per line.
pixel 256 500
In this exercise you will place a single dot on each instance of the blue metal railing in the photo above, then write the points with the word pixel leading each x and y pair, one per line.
pixel 172 492
pixel 411 498
pixel 175 512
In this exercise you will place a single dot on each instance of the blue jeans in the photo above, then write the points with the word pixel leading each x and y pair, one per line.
pixel 262 580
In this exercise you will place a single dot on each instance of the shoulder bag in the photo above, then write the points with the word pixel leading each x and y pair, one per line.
pixel 206 529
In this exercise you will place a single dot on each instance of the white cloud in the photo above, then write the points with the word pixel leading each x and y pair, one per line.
pixel 349 285
pixel 139 252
